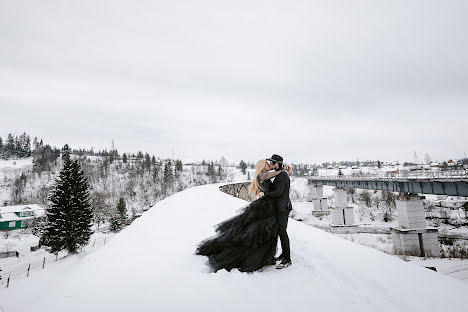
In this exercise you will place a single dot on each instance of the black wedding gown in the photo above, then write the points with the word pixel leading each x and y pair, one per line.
pixel 246 241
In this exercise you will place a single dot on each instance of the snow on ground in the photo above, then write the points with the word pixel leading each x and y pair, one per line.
pixel 456 268
pixel 302 211
pixel 382 242
pixel 22 242
pixel 238 176
pixel 16 163
pixel 16 241
pixel 37 285
pixel 150 266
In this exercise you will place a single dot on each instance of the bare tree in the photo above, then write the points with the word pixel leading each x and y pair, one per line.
pixel 427 158
pixel 366 198
pixel 388 199
pixel 101 211
pixel 352 194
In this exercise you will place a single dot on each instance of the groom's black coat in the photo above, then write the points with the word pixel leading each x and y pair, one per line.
pixel 280 193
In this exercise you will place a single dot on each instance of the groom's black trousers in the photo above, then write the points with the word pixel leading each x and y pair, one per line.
pixel 283 235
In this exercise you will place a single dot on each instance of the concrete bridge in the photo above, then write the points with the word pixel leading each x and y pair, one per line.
pixel 450 183
pixel 451 187
pixel 412 236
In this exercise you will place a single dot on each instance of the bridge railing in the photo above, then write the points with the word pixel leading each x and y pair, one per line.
pixel 438 175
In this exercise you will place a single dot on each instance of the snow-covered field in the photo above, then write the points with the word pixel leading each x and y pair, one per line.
pixel 150 266
pixel 22 242
pixel 16 163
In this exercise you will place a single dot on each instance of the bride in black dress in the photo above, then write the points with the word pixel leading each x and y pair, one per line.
pixel 248 240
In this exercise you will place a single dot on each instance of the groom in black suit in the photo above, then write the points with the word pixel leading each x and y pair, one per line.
pixel 280 193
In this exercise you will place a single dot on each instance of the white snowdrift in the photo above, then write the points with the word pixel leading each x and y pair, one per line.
pixel 150 266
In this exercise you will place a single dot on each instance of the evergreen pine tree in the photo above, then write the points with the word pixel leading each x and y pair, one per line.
pixel 124 158
pixel 147 164
pixel 27 146
pixel 23 145
pixel 211 173
pixel 178 168
pixel 66 152
pixel 155 171
pixel 69 216
pixel 17 147
pixel 168 177
pixel 115 223
pixel 10 146
pixel 242 166
pixel 122 209
pixel 35 144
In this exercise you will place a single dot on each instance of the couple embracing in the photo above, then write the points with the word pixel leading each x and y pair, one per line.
pixel 248 241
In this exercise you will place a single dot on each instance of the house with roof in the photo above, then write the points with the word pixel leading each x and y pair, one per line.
pixel 17 217
pixel 452 202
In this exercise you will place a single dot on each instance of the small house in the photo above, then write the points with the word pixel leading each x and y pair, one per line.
pixel 17 217
pixel 452 202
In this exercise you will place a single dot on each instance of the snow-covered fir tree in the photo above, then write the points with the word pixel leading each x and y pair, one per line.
pixel 66 152
pixel 168 180
pixel 122 209
pixel 69 216
pixel 242 166
pixel 115 223
pixel 211 173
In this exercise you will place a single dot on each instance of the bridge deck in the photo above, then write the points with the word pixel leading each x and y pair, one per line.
pixel 451 187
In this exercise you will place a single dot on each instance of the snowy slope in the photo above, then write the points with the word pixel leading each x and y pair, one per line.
pixel 150 266
pixel 16 163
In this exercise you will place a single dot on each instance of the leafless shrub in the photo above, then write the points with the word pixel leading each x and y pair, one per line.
pixel 454 249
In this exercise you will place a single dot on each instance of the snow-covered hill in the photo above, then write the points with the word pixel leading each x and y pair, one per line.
pixel 150 266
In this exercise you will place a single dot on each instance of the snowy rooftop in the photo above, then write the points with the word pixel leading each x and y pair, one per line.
pixel 8 213
pixel 150 266
pixel 20 208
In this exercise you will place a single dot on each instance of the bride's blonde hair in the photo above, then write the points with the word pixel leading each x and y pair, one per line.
pixel 254 189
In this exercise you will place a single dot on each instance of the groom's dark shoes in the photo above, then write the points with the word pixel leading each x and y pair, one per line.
pixel 276 259
pixel 284 264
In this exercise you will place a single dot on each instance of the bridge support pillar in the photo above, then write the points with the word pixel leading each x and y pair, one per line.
pixel 413 237
pixel 319 201
pixel 341 214
pixel 311 193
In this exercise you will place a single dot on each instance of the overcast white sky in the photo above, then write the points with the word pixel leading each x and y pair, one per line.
pixel 310 80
